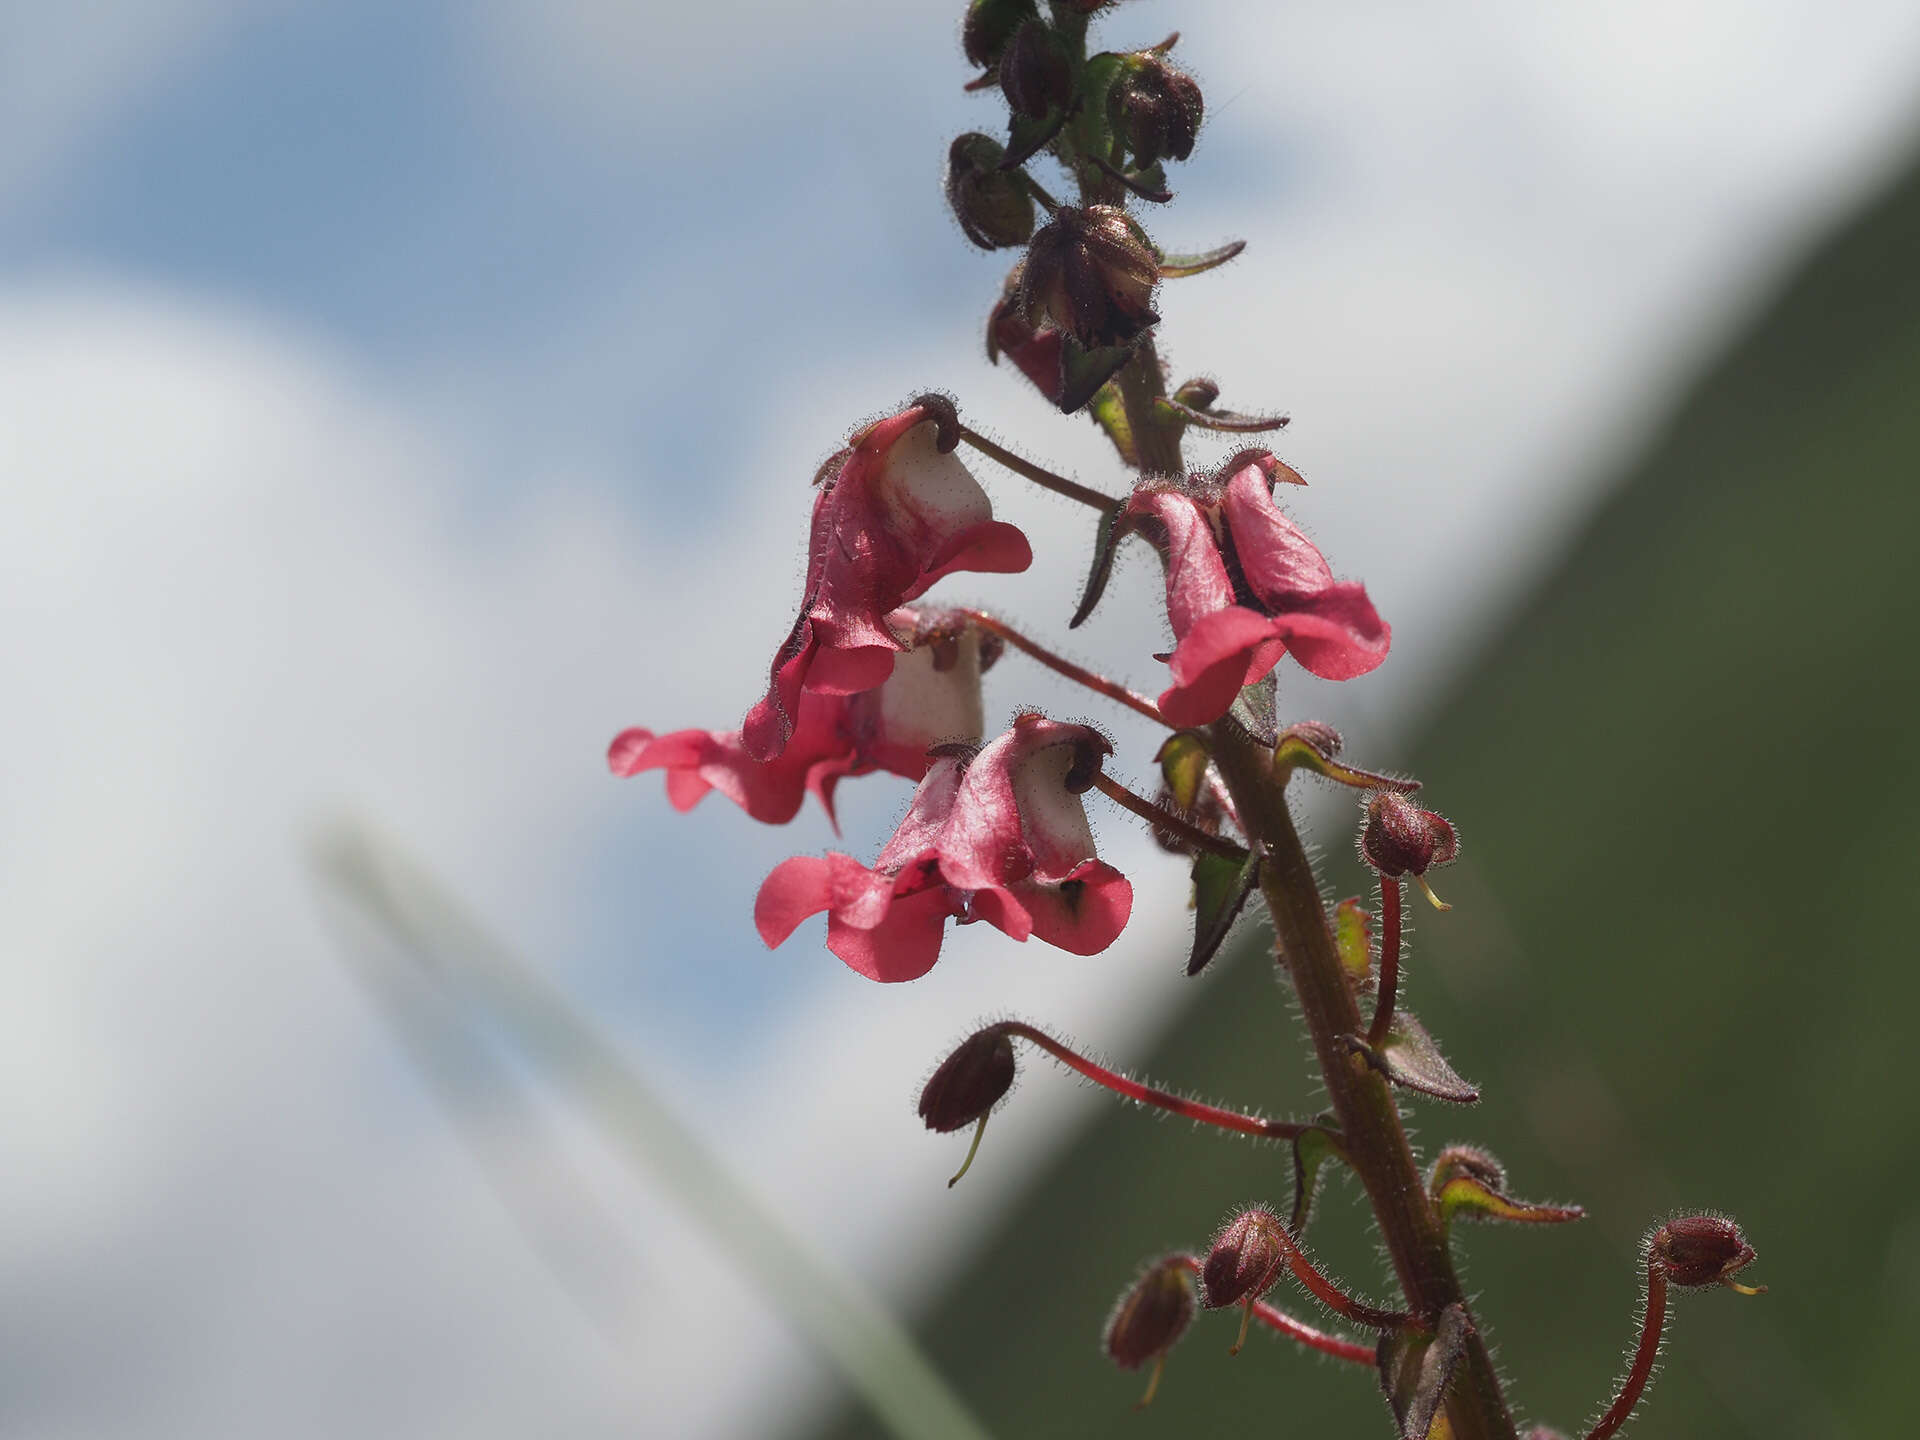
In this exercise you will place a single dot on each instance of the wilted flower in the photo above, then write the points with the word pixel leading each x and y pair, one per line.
pixel 1000 836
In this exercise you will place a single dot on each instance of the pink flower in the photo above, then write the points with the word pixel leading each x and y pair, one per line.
pixel 1245 586
pixel 932 696
pixel 897 512
pixel 1000 836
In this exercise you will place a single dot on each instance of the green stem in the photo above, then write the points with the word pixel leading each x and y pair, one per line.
pixel 1376 1143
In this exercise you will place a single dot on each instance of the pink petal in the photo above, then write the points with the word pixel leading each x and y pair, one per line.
pixel 903 947
pixel 797 888
pixel 1275 555
pixel 1197 580
pixel 1214 661
pixel 1001 910
pixel 1082 915
pixel 1340 636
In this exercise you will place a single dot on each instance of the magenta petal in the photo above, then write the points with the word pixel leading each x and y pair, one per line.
pixel 1338 636
pixel 992 548
pixel 1197 580
pixel 797 888
pixel 1000 909
pixel 1275 554
pixel 1082 915
pixel 902 947
pixel 1218 657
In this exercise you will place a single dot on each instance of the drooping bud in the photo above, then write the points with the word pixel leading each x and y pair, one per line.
pixel 1696 1251
pixel 1036 74
pixel 1399 838
pixel 1091 274
pixel 1157 110
pixel 989 25
pixel 992 205
pixel 969 1082
pixel 1151 1316
pixel 1245 1260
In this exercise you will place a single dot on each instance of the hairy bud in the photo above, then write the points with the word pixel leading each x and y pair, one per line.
pixel 1245 1259
pixel 1399 838
pixel 1152 1315
pixel 969 1082
pixel 1090 273
pixel 1035 74
pixel 990 25
pixel 992 205
pixel 1700 1250
pixel 1157 109
pixel 1471 1161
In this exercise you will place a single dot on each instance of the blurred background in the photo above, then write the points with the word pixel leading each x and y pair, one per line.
pixel 398 400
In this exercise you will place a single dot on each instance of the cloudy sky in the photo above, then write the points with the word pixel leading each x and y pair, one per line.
pixel 397 400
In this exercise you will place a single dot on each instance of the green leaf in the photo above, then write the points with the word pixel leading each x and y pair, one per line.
pixel 1294 752
pixel 1084 371
pixel 1093 127
pixel 1109 411
pixel 1312 1149
pixel 1353 933
pixel 1028 135
pixel 1254 710
pixel 1106 540
pixel 1178 412
pixel 1175 267
pixel 1221 885
pixel 1416 1368
pixel 1183 761
pixel 1410 1058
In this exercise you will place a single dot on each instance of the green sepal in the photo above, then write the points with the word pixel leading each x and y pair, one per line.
pixel 1084 371
pixel 1221 885
pixel 1410 1058
pixel 1176 267
pixel 1295 753
pixel 1353 934
pixel 1093 126
pixel 1183 761
pixel 1106 539
pixel 1255 710
pixel 1109 410
pixel 1028 135
pixel 1415 1369
pixel 1174 411
pixel 1312 1148
pixel 1471 1199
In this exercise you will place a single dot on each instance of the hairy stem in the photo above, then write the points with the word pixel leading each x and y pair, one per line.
pixel 1353 1351
pixel 1389 961
pixel 1147 1095
pixel 1374 1139
pixel 1060 665
pixel 1165 819
pixel 1044 478
pixel 1652 1325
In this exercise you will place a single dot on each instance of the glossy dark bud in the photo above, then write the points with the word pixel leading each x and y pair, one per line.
pixel 1245 1260
pixel 1399 838
pixel 1157 110
pixel 969 1082
pixel 1700 1250
pixel 1036 74
pixel 990 24
pixel 1152 1315
pixel 1091 274
pixel 993 206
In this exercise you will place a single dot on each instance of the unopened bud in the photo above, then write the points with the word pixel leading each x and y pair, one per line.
pixel 1157 109
pixel 1321 737
pixel 1090 273
pixel 1245 1260
pixel 992 205
pixel 1152 1315
pixel 990 25
pixel 1399 838
pixel 1471 1161
pixel 1035 74
pixel 1700 1250
pixel 969 1082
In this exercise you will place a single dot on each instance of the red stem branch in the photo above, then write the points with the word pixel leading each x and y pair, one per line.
pixel 1147 1095
pixel 1165 819
pixel 1354 1351
pixel 1079 674
pixel 1045 479
pixel 1652 1326
pixel 1389 961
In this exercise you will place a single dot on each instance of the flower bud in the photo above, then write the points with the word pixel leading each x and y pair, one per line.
pixel 1245 1259
pixel 990 25
pixel 1399 838
pixel 1152 1315
pixel 992 205
pixel 1157 110
pixel 969 1082
pixel 1035 74
pixel 1471 1161
pixel 1700 1250
pixel 1090 273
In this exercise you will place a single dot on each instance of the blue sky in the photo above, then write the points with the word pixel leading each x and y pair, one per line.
pixel 397 400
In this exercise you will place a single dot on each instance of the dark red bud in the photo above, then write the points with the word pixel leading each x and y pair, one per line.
pixel 1157 110
pixel 1152 1315
pixel 1090 273
pixel 1700 1250
pixel 1245 1260
pixel 990 25
pixel 969 1082
pixel 1399 838
pixel 1035 73
pixel 993 206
